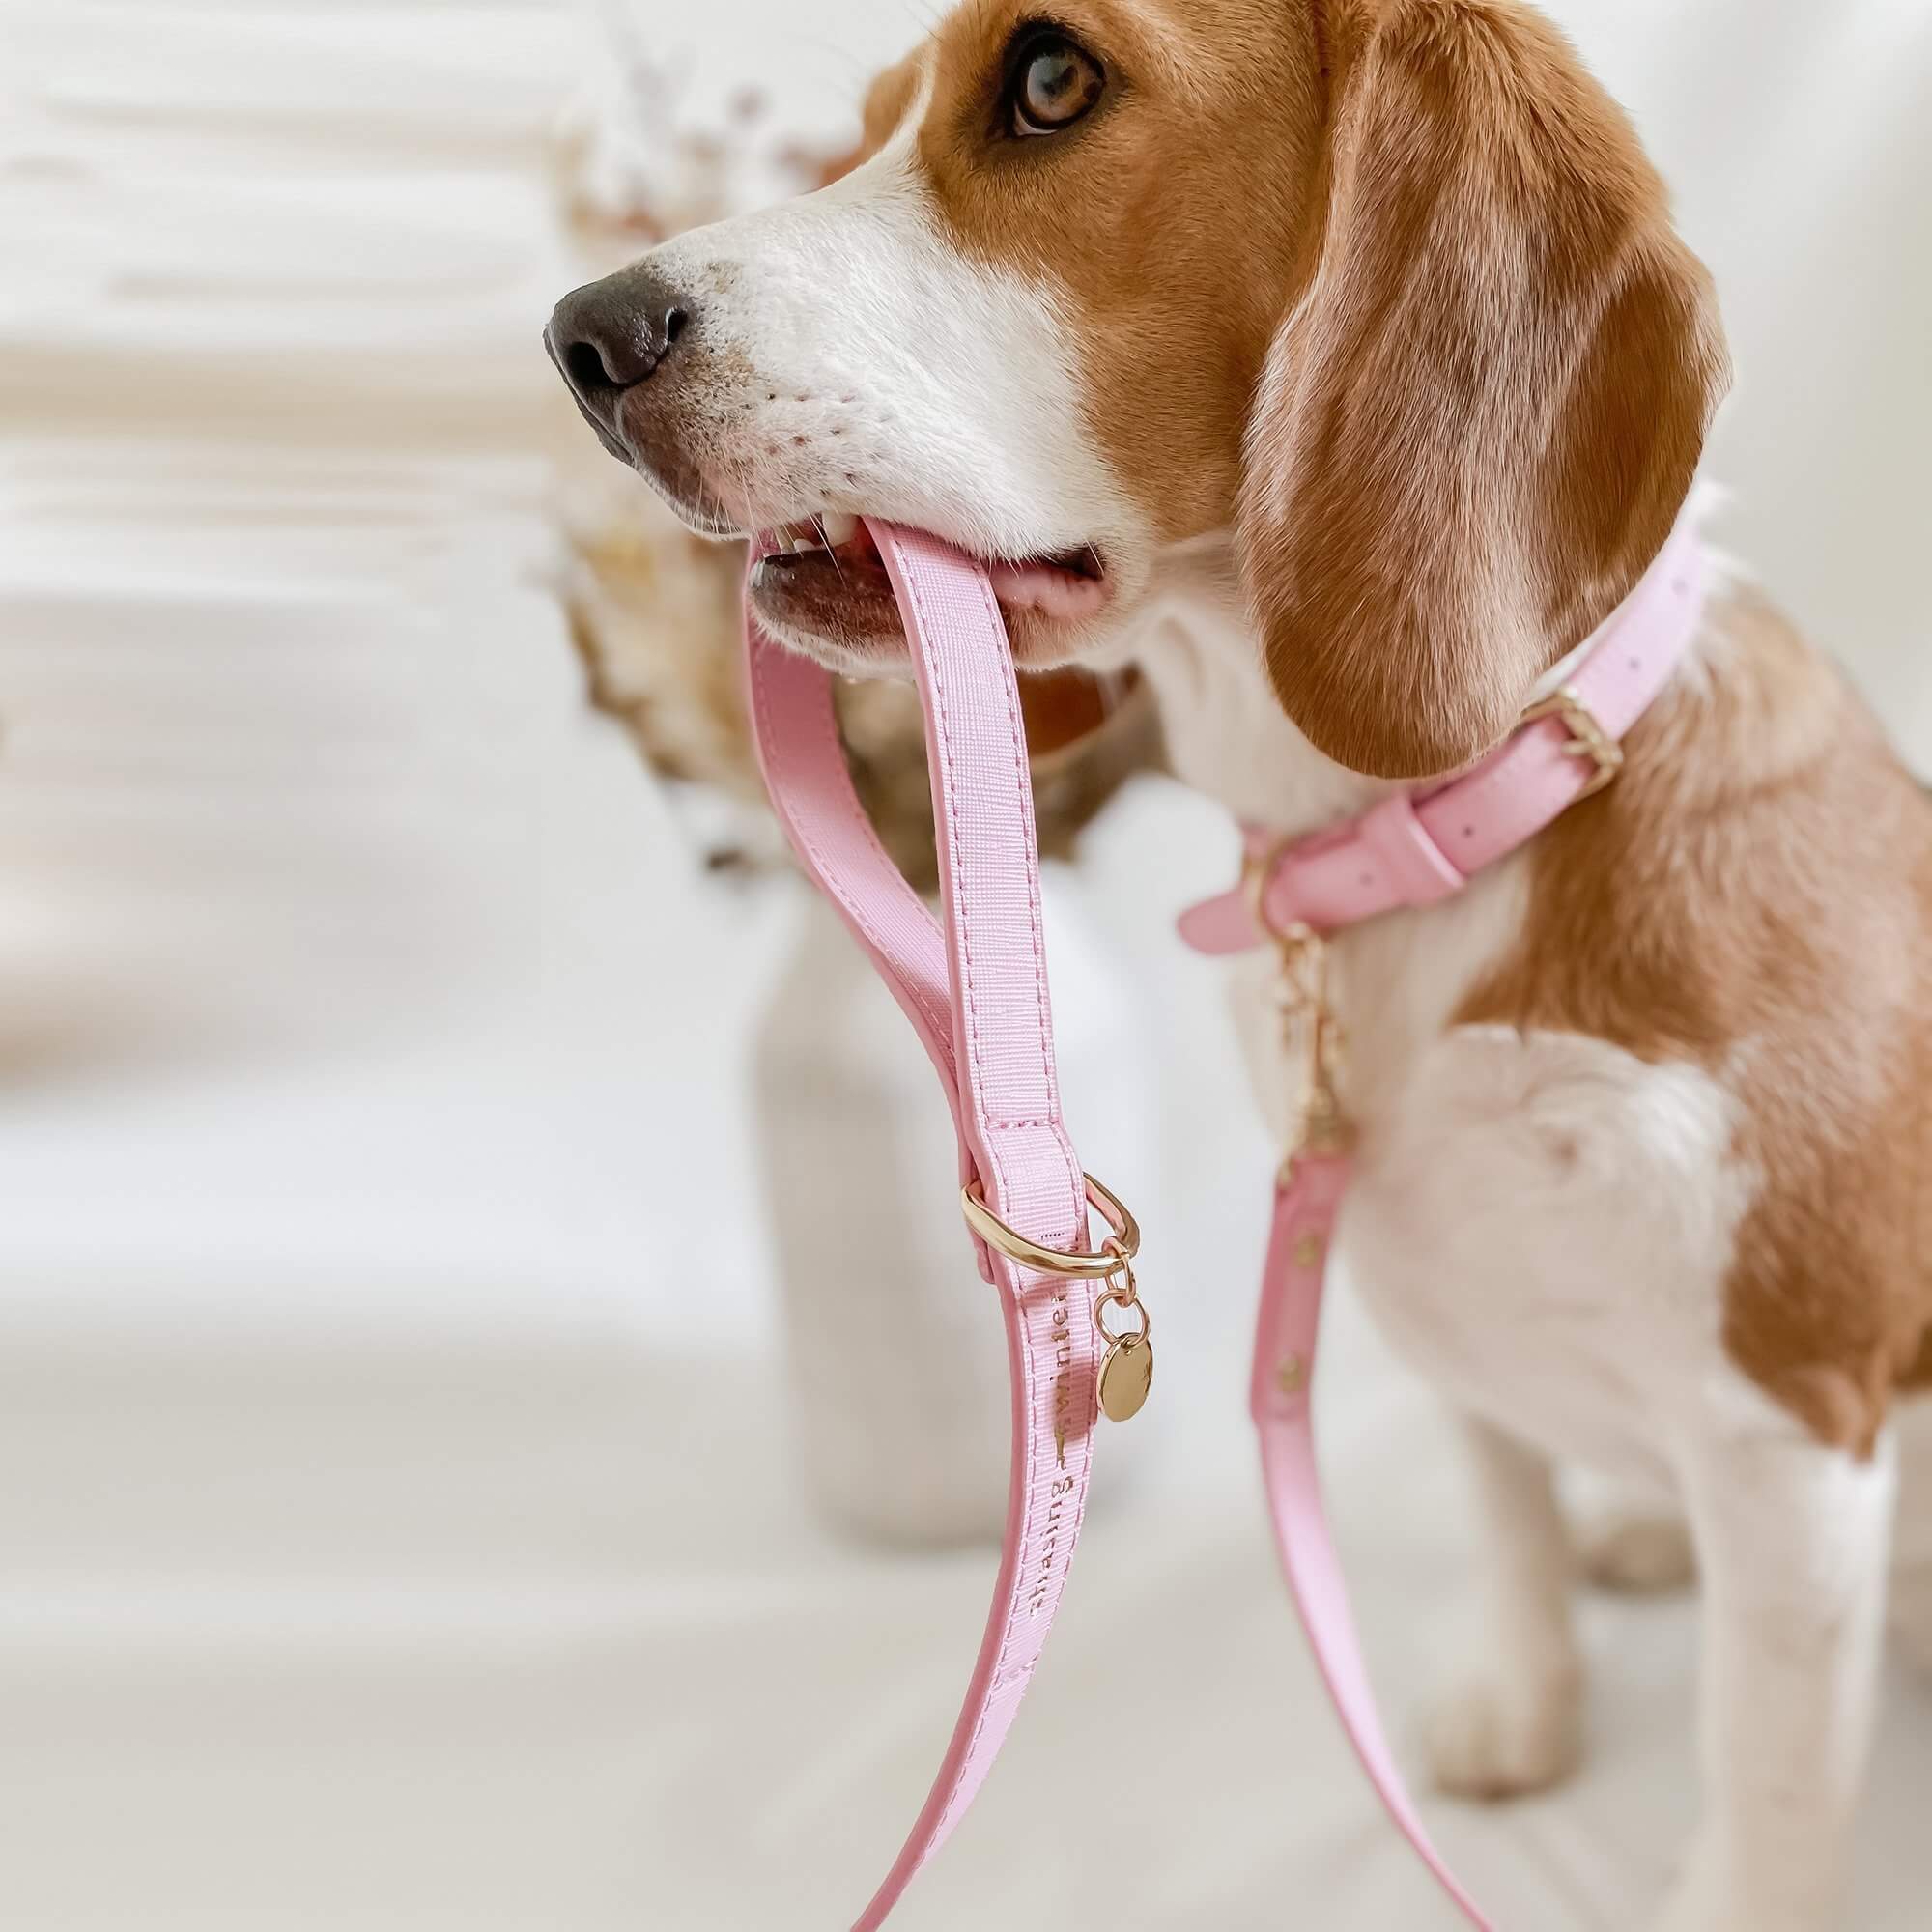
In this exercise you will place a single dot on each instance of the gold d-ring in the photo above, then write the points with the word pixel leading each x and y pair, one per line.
pixel 1093 1266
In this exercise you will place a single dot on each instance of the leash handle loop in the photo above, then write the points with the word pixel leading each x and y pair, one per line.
pixel 974 986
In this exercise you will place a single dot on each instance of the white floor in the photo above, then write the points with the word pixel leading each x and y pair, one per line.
pixel 399 1530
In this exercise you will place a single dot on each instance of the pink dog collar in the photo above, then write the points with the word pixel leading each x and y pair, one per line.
pixel 974 986
pixel 1417 847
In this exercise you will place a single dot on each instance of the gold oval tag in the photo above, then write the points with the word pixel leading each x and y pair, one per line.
pixel 1127 1374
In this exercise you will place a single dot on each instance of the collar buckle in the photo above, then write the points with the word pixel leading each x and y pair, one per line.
pixel 1588 738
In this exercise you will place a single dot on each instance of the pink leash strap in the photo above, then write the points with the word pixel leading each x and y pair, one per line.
pixel 974 986
pixel 1293 1279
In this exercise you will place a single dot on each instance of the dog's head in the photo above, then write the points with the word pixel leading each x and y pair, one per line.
pixel 1386 288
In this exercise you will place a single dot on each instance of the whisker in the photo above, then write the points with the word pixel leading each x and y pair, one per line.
pixel 819 523
pixel 710 501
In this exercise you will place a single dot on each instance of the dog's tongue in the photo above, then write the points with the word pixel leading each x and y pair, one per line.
pixel 1038 583
pixel 1053 586
pixel 1048 588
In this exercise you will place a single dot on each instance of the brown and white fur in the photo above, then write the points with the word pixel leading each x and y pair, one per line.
pixel 1351 341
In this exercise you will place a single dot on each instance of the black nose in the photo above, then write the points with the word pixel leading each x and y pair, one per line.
pixel 608 336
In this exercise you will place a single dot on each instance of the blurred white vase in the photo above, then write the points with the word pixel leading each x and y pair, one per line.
pixel 896 1348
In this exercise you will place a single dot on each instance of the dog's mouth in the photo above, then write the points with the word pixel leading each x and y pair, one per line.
pixel 823 579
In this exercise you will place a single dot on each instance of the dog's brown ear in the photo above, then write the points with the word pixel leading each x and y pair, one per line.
pixel 1479 424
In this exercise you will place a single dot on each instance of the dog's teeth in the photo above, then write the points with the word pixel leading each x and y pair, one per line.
pixel 840 529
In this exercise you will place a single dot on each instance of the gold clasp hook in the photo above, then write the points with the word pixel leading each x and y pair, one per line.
pixel 1310 1033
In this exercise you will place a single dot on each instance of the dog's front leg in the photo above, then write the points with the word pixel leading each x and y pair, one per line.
pixel 1793 1541
pixel 1512 1721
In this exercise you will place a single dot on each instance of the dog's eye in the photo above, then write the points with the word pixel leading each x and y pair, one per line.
pixel 1054 82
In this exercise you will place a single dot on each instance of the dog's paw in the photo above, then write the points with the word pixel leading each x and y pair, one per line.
pixel 1504 1734
pixel 1637 1553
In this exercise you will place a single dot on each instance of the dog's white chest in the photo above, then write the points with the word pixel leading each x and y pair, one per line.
pixel 1541 1225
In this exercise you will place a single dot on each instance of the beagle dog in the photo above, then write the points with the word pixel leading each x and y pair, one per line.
pixel 1336 362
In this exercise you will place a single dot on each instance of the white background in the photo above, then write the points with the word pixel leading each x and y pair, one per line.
pixel 397 1525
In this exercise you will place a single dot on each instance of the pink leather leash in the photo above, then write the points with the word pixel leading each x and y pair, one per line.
pixel 1404 852
pixel 974 986
pixel 1308 1198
